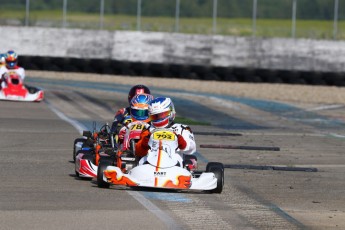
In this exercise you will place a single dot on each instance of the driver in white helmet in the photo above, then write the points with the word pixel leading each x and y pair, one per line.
pixel 162 115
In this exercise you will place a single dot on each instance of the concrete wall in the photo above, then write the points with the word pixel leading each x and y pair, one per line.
pixel 166 48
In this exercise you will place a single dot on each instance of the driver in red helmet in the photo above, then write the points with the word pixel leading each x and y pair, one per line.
pixel 121 114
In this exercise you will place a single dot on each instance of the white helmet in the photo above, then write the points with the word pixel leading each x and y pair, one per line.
pixel 161 112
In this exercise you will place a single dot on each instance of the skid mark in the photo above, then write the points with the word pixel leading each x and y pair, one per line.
pixel 261 214
pixel 217 118
pixel 290 112
pixel 198 215
pixel 284 110
pixel 223 120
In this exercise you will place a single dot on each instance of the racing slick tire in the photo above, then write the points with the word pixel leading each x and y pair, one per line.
pixel 218 170
pixel 75 142
pixel 101 167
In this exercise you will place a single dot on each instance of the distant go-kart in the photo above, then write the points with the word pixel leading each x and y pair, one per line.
pixel 15 90
pixel 161 168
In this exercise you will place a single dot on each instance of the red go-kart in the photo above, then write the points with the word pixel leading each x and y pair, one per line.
pixel 15 90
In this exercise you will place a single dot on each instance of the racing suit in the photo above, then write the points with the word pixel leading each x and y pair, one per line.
pixel 186 142
pixel 3 70
pixel 16 70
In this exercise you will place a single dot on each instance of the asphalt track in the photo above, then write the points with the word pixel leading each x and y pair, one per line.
pixel 40 191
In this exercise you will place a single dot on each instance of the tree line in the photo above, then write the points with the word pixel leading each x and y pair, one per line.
pixel 306 9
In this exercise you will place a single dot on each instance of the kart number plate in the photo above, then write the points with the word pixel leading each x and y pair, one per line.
pixel 137 127
pixel 164 135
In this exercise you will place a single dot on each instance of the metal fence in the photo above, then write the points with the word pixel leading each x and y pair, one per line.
pixel 254 19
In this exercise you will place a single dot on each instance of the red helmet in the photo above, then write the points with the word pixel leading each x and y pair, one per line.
pixel 137 89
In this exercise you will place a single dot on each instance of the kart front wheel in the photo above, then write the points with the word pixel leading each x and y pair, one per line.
pixel 218 170
pixel 101 167
pixel 75 142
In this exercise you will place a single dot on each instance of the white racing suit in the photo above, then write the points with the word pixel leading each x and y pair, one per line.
pixel 188 136
pixel 5 71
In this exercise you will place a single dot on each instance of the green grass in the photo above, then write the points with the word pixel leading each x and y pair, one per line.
pixel 314 29
pixel 188 121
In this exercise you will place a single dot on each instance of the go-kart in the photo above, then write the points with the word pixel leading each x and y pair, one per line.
pixel 88 151
pixel 15 90
pixel 161 168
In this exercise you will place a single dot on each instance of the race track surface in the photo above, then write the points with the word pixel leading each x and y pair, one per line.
pixel 301 186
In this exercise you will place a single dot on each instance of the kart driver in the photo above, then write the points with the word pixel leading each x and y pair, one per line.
pixel 123 113
pixel 138 112
pixel 11 59
pixel 162 115
pixel 12 64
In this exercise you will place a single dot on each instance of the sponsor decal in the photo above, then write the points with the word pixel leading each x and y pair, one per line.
pixel 159 174
pixel 128 158
pixel 184 182
pixel 164 135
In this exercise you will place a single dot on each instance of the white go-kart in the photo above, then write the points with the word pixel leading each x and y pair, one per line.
pixel 162 168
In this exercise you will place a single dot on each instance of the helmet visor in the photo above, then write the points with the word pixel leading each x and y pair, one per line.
pixel 140 114
pixel 160 116
pixel 11 64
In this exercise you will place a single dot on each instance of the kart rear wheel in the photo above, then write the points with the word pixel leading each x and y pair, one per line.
pixel 75 142
pixel 101 167
pixel 218 170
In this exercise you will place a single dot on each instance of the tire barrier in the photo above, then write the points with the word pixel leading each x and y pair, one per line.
pixel 184 71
